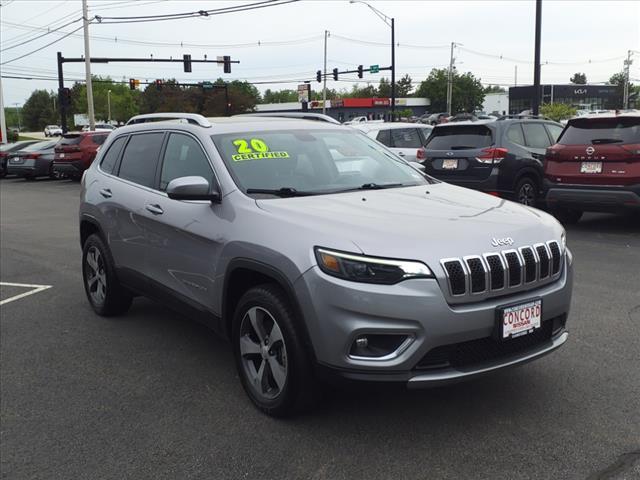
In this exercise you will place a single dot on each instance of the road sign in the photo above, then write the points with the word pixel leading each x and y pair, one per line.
pixel 374 68
pixel 303 92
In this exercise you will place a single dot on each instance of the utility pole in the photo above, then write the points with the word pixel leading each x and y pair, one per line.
pixel 450 81
pixel 324 88
pixel 87 66
pixel 515 80
pixel 18 113
pixel 108 106
pixel 535 104
pixel 627 67
pixel 3 124
pixel 393 70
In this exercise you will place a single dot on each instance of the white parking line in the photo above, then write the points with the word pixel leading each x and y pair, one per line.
pixel 35 289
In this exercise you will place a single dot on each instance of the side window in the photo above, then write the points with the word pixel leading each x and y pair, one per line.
pixel 536 135
pixel 384 137
pixel 554 131
pixel 140 158
pixel 424 134
pixel 515 134
pixel 184 157
pixel 98 139
pixel 405 138
pixel 111 157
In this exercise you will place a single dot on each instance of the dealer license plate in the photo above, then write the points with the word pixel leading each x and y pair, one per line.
pixel 591 167
pixel 518 320
pixel 450 164
pixel 15 160
pixel 62 155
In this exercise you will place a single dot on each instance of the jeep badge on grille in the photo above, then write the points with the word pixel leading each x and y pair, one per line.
pixel 499 242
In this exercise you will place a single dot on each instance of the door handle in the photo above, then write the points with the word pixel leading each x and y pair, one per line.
pixel 401 154
pixel 155 209
pixel 106 193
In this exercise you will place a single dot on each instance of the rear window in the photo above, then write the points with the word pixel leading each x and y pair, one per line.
pixel 39 146
pixel 71 139
pixel 460 137
pixel 587 131
pixel 98 139
pixel 405 138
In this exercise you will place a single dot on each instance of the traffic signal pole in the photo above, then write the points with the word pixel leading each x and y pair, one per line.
pixel 87 66
pixel 393 71
pixel 324 88
pixel 535 104
pixel 61 101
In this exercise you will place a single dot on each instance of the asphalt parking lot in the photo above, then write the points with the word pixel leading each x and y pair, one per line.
pixel 154 395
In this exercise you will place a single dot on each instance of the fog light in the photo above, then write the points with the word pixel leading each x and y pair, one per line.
pixel 379 346
pixel 362 342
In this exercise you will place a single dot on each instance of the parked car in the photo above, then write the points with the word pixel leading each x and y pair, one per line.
pixel 356 120
pixel 463 117
pixel 76 151
pixel 35 160
pixel 502 157
pixel 7 149
pixel 319 265
pixel 100 127
pixel 52 130
pixel 438 118
pixel 403 138
pixel 594 166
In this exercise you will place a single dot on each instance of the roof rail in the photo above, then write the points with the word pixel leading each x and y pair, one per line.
pixel 298 115
pixel 523 116
pixel 192 118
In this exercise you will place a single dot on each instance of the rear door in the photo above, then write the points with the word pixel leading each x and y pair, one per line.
pixel 185 237
pixel 406 142
pixel 453 151
pixel 597 151
pixel 537 139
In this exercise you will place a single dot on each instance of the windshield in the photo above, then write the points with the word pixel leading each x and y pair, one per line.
pixel 312 161
pixel 588 131
pixel 460 137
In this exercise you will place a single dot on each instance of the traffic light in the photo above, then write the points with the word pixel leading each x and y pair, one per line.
pixel 335 74
pixel 359 71
pixel 186 58
pixel 132 83
pixel 158 84
pixel 227 64
pixel 319 76
pixel 65 96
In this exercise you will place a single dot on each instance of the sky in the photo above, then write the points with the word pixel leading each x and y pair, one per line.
pixel 285 43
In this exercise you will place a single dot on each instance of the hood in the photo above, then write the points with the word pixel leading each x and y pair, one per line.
pixel 425 223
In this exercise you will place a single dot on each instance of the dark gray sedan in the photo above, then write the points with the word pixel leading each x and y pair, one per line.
pixel 36 160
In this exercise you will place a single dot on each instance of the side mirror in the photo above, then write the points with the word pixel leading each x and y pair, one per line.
pixel 418 166
pixel 191 188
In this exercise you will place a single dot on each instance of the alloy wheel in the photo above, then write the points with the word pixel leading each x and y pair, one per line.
pixel 263 353
pixel 96 276
pixel 527 194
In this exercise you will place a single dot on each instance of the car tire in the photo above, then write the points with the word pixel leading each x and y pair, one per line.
pixel 567 216
pixel 526 192
pixel 104 292
pixel 272 361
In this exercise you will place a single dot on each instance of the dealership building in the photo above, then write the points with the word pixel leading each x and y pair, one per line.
pixel 583 97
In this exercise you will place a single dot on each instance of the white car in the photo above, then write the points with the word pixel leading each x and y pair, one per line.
pixel 403 138
pixel 100 127
pixel 52 130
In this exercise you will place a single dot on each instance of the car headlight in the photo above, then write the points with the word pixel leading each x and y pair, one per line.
pixel 563 240
pixel 361 268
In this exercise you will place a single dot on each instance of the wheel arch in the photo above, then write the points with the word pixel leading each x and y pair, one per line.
pixel 88 226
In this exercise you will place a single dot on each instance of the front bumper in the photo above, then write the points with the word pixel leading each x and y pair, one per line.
pixel 337 312
pixel 593 198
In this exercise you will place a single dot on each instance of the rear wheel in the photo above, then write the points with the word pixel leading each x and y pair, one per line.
pixel 527 192
pixel 273 364
pixel 567 216
pixel 105 294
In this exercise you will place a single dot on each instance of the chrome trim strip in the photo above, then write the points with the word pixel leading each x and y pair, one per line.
pixel 486 273
pixel 505 273
pixel 535 261
pixel 446 274
pixel 389 356
pixel 520 261
pixel 535 248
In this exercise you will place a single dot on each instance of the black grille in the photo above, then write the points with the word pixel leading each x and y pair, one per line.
pixel 529 264
pixel 544 261
pixel 555 257
pixel 484 349
pixel 456 277
pixel 496 272
pixel 478 279
pixel 515 270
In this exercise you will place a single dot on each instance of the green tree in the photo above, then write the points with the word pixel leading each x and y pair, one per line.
pixel 579 78
pixel 467 94
pixel 125 102
pixel 619 79
pixel 280 96
pixel 494 89
pixel 404 86
pixel 384 88
pixel 557 111
pixel 332 94
pixel 38 110
pixel 361 92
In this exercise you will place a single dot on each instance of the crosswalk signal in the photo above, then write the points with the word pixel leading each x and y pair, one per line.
pixel 226 61
pixel 359 71
pixel 319 76
pixel 335 74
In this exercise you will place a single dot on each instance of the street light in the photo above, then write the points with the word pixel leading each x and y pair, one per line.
pixel 391 23
pixel 108 106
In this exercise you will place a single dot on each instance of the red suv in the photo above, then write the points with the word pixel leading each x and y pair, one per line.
pixel 75 152
pixel 594 166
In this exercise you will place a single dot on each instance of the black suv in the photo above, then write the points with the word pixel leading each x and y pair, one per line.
pixel 502 157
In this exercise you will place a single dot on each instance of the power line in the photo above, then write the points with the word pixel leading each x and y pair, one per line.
pixel 40 48
pixel 40 36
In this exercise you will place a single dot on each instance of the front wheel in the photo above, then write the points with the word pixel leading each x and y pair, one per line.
pixel 272 361
pixel 527 192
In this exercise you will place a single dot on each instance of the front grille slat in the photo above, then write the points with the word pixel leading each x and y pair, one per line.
pixel 493 272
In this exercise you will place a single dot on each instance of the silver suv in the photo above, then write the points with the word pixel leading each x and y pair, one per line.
pixel 320 254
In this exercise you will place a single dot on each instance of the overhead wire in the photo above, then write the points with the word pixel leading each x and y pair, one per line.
pixel 40 36
pixel 40 48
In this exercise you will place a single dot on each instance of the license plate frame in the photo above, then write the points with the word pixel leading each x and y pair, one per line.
pixel 450 163
pixel 591 167
pixel 505 331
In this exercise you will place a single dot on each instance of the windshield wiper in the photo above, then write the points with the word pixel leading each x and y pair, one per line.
pixel 281 192
pixel 600 141
pixel 378 186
